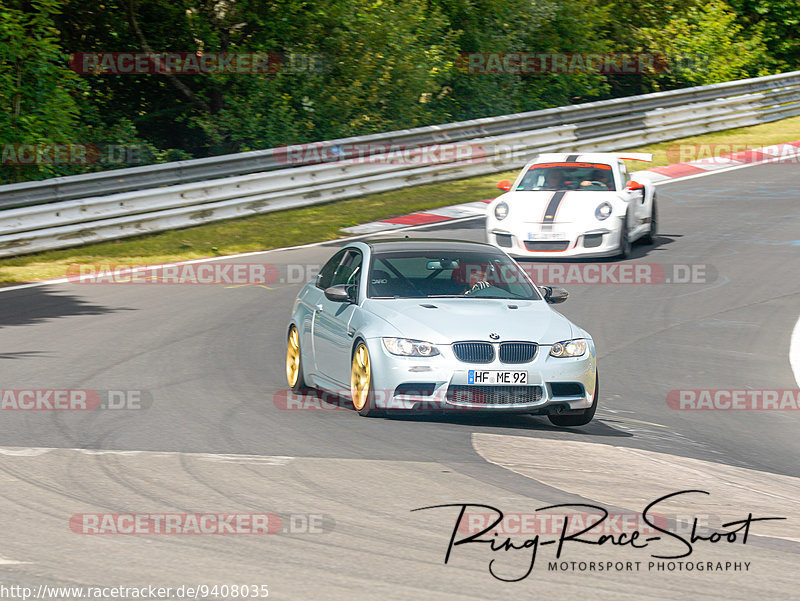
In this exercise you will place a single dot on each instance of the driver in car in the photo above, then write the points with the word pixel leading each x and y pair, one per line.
pixel 601 180
pixel 473 277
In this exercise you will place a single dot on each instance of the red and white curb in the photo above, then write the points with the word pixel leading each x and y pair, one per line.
pixel 776 152
pixel 467 209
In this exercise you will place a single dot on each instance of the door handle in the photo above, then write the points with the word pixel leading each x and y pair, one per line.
pixel 351 333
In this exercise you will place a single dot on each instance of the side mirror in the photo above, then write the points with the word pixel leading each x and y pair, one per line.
pixel 504 185
pixel 634 185
pixel 555 294
pixel 338 294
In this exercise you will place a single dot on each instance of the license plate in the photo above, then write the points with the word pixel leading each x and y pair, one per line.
pixel 546 236
pixel 497 377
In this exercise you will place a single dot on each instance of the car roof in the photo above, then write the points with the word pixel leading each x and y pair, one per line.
pixel 400 244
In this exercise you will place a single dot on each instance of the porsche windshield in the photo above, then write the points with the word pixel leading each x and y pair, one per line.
pixel 437 274
pixel 568 176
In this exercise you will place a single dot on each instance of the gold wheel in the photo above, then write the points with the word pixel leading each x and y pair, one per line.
pixel 293 357
pixel 360 377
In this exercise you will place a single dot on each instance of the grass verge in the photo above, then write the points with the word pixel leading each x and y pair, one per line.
pixel 323 222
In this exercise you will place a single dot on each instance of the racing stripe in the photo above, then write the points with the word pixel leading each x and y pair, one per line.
pixel 551 210
pixel 572 158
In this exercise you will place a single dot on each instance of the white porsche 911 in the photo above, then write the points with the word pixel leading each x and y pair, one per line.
pixel 573 205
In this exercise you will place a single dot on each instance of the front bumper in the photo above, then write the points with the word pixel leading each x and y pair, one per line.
pixel 422 384
pixel 593 243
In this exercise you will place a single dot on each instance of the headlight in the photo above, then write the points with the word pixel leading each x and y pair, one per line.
pixel 603 211
pixel 410 348
pixel 568 348
pixel 501 211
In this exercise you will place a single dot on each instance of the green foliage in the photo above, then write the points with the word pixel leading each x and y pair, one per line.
pixel 780 23
pixel 37 91
pixel 385 64
pixel 375 62
pixel 706 44
pixel 524 26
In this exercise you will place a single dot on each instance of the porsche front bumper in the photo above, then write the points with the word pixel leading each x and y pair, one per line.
pixel 519 243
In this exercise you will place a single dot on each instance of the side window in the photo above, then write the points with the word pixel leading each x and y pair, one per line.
pixel 326 274
pixel 348 271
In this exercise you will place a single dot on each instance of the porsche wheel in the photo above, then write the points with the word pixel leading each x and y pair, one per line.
pixel 624 249
pixel 361 389
pixel 294 361
pixel 580 419
pixel 650 237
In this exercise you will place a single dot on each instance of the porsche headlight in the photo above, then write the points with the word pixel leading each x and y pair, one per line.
pixel 409 348
pixel 501 210
pixel 569 348
pixel 603 211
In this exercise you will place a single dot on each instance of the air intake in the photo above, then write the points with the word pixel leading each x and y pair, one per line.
pixel 474 352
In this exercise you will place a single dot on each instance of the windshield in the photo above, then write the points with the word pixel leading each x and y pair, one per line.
pixel 437 274
pixel 568 176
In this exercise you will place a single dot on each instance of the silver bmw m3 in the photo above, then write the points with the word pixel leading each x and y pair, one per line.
pixel 431 325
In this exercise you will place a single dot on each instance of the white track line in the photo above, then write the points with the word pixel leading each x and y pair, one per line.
pixel 794 351
pixel 218 457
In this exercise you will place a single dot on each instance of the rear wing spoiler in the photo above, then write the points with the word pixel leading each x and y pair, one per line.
pixel 633 156
pixel 559 156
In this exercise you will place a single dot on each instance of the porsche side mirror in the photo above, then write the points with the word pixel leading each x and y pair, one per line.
pixel 633 185
pixel 338 294
pixel 555 294
pixel 504 185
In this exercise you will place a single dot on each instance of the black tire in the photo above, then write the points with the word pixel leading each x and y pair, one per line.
pixel 624 250
pixel 579 419
pixel 650 237
pixel 368 409
pixel 299 384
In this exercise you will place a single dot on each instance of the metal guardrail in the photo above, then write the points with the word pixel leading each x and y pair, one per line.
pixel 68 211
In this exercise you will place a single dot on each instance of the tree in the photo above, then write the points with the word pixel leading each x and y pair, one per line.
pixel 779 24
pixel 522 26
pixel 37 90
pixel 706 44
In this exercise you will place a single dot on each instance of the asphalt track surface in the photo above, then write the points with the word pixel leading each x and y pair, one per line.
pixel 214 439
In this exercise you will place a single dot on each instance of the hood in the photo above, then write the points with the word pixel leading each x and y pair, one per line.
pixel 568 206
pixel 447 320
